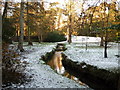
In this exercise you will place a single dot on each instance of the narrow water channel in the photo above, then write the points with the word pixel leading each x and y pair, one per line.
pixel 56 64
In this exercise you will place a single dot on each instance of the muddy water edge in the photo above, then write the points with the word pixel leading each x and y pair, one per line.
pixel 84 74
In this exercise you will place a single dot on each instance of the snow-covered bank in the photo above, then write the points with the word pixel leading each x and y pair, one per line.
pixel 42 75
pixel 94 54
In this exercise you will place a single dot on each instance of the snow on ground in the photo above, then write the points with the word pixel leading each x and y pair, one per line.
pixel 94 54
pixel 42 75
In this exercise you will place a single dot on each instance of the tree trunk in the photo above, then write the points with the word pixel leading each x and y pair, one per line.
pixel 102 41
pixel 5 10
pixel 17 33
pixel 20 44
pixel 0 48
pixel 28 27
pixel 59 17
pixel 39 38
pixel 70 30
pixel 106 41
pixel 103 25
pixel 69 36
pixel 90 25
pixel 105 51
pixel 106 36
pixel 29 39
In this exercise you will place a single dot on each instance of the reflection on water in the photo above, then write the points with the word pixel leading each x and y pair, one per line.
pixel 56 64
pixel 66 74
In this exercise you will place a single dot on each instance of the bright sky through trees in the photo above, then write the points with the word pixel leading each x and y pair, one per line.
pixel 62 2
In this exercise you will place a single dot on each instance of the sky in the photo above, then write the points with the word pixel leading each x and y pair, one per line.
pixel 88 2
pixel 62 2
pixel 78 4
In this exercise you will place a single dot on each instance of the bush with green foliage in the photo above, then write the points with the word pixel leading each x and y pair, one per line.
pixel 8 31
pixel 54 37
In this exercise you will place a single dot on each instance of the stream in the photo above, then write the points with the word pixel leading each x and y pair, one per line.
pixel 91 76
pixel 56 64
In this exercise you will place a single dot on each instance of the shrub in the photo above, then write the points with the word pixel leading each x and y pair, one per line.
pixel 54 37
pixel 8 31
